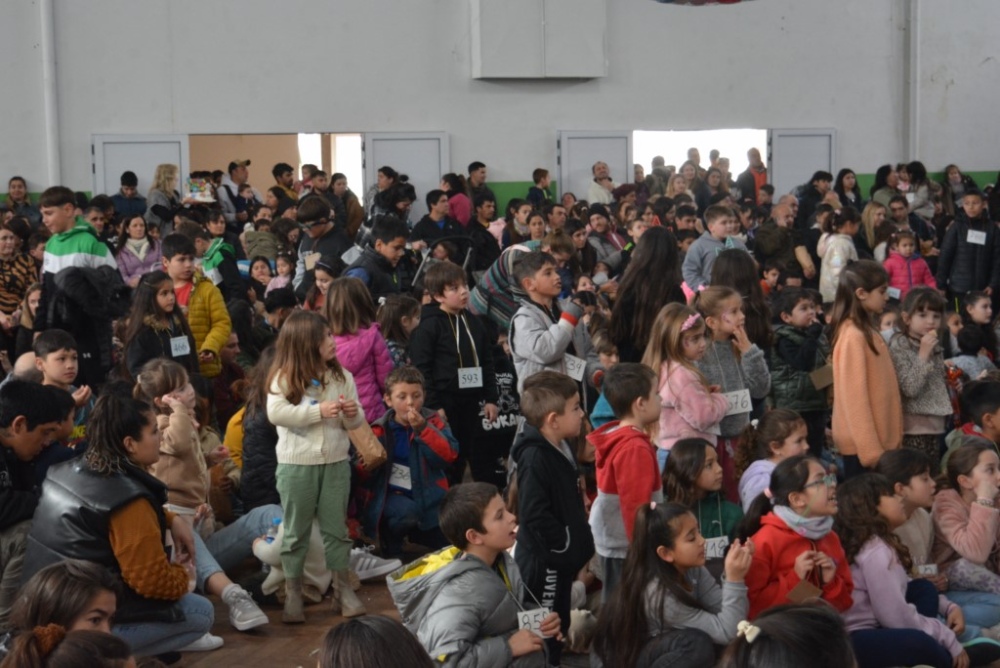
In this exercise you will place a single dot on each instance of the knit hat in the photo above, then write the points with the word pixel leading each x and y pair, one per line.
pixel 599 210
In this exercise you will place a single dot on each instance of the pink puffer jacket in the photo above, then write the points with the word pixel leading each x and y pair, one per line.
pixel 367 357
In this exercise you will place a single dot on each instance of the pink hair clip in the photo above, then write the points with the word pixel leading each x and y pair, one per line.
pixel 652 505
pixel 767 493
pixel 690 322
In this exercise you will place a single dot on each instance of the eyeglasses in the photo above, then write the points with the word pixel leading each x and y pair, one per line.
pixel 830 480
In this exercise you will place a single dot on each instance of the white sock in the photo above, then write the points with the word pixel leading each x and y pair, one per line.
pixel 229 590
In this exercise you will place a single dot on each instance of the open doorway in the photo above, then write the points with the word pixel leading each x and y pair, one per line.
pixel 673 145
pixel 331 152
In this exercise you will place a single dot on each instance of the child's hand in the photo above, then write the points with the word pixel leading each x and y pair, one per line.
pixel 827 569
pixel 804 564
pixel 349 407
pixel 986 490
pixel 550 626
pixel 927 344
pixel 82 396
pixel 524 642
pixel 206 356
pixel 491 412
pixel 219 454
pixel 956 620
pixel 175 404
pixel 416 420
pixel 741 340
pixel 738 561
pixel 961 661
pixel 329 409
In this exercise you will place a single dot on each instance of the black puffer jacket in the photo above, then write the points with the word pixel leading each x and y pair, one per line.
pixel 260 438
pixel 963 265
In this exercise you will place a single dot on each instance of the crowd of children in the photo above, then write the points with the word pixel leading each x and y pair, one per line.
pixel 687 415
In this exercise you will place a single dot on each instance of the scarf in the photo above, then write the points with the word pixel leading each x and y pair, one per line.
pixel 139 247
pixel 813 528
pixel 214 257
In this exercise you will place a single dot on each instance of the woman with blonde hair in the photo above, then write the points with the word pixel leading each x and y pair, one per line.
pixel 676 186
pixel 163 193
pixel 871 218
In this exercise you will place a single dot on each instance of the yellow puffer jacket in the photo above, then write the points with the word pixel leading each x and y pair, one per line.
pixel 209 321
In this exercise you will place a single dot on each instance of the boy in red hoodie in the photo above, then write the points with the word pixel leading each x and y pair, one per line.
pixel 627 473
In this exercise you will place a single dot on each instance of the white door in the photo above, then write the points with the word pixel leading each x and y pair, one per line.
pixel 423 156
pixel 114 154
pixel 578 151
pixel 794 155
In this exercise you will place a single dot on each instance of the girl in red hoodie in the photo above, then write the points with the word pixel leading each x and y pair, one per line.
pixel 906 269
pixel 797 556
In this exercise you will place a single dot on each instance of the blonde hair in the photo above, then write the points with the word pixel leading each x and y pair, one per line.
pixel 666 339
pixel 673 192
pixel 868 222
pixel 165 178
pixel 159 377
pixel 709 301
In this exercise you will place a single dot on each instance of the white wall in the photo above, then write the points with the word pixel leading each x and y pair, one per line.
pixel 246 66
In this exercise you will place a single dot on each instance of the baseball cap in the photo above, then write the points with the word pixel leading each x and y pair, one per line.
pixel 238 163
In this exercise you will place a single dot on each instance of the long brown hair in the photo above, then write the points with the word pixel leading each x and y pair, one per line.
pixel 391 312
pixel 684 465
pixel 59 593
pixel 861 275
pixel 297 359
pixel 256 386
pixel 349 306
pixel 623 627
pixel 858 520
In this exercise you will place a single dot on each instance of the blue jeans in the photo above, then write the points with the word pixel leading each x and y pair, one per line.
pixel 884 648
pixel 661 458
pixel 981 609
pixel 151 638
pixel 226 549
pixel 400 520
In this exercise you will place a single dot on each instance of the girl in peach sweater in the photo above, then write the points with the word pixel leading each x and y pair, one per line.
pixel 690 407
pixel 867 409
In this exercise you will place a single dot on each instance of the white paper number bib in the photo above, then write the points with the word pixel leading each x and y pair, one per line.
pixel 399 477
pixel 739 402
pixel 575 367
pixel 715 548
pixel 532 620
pixel 180 346
pixel 470 376
pixel 976 237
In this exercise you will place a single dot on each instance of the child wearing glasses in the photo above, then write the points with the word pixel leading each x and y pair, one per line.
pixel 797 556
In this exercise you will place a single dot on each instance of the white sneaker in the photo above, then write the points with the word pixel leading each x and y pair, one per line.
pixel 244 614
pixel 368 566
pixel 206 643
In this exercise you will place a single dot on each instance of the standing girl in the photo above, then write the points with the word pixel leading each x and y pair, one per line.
pixel 156 328
pixel 360 346
pixel 691 408
pixel 836 248
pixel 693 478
pixel 885 628
pixel 919 363
pixel 665 587
pixel 737 366
pixel 398 316
pixel 797 554
pixel 312 401
pixel 867 410
pixel 778 435
pixel 285 267
pixel 966 519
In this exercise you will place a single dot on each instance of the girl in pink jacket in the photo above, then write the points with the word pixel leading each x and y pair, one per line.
pixel 906 269
pixel 690 407
pixel 360 346
pixel 966 519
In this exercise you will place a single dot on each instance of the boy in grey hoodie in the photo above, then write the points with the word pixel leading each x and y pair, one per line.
pixel 721 224
pixel 464 603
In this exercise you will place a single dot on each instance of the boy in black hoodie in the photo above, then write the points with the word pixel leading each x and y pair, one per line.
pixel 452 349
pixel 378 266
pixel 554 540
pixel 970 253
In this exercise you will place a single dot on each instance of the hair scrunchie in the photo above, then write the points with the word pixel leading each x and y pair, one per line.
pixel 48 637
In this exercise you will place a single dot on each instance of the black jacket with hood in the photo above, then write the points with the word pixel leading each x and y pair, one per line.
pixel 433 350
pixel 553 529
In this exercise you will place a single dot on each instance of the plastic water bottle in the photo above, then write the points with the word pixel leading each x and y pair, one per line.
pixel 272 531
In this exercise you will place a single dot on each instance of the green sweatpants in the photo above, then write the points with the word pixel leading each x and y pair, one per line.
pixel 314 492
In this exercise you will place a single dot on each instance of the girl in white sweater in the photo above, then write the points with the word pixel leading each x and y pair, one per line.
pixel 313 402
